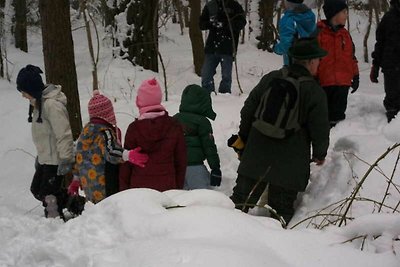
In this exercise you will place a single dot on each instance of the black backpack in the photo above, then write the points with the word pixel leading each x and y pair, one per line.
pixel 277 114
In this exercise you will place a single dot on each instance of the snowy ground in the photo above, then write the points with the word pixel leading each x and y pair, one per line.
pixel 134 228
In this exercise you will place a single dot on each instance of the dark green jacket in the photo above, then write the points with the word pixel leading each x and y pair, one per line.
pixel 194 110
pixel 289 158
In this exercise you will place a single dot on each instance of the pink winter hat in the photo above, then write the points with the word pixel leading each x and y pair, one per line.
pixel 101 107
pixel 149 96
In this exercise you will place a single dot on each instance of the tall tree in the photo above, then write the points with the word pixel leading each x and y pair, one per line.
pixel 58 52
pixel 142 36
pixel 196 38
pixel 2 4
pixel 21 40
pixel 268 30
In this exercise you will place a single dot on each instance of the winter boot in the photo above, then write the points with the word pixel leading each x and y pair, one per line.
pixel 51 209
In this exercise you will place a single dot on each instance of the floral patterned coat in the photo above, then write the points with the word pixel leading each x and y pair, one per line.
pixel 98 154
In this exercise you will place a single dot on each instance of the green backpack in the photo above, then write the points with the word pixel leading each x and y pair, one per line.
pixel 277 114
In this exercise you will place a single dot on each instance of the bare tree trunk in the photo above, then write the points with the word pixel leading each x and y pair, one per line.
pixel 376 7
pixel 2 4
pixel 20 33
pixel 196 38
pixel 268 30
pixel 59 59
pixel 108 13
pixel 366 36
pixel 142 43
pixel 278 16
pixel 90 44
pixel 246 11
pixel 186 16
pixel 178 6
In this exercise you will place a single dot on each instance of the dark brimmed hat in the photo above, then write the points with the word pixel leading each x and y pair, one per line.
pixel 306 48
pixel 332 7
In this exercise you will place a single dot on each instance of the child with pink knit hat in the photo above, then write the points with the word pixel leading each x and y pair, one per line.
pixel 99 152
pixel 161 138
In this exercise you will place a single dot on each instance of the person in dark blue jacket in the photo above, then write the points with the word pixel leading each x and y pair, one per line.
pixel 298 21
pixel 224 19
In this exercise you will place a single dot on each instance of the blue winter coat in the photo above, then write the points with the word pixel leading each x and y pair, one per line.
pixel 296 23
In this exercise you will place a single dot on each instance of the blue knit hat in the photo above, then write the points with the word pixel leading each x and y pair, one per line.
pixel 30 82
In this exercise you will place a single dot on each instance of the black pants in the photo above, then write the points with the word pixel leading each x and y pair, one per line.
pixel 46 182
pixel 279 198
pixel 337 102
pixel 392 93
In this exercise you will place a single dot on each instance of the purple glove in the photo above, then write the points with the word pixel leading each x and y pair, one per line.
pixel 137 158
pixel 73 187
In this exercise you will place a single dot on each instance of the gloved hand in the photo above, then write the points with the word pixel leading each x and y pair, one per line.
pixel 270 46
pixel 355 83
pixel 215 177
pixel 73 187
pixel 135 157
pixel 374 74
pixel 64 167
pixel 237 144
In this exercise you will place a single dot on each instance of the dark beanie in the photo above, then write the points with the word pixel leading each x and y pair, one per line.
pixel 296 1
pixel 332 7
pixel 30 82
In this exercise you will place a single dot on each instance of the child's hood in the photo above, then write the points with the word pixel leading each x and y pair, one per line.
pixel 303 17
pixel 197 100
pixel 54 92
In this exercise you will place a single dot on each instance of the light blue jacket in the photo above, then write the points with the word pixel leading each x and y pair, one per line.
pixel 296 23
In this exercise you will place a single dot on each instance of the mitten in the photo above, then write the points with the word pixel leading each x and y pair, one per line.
pixel 373 75
pixel 215 177
pixel 135 157
pixel 237 144
pixel 73 187
pixel 64 167
pixel 355 83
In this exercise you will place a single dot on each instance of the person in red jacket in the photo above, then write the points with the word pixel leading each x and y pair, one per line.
pixel 338 71
pixel 161 137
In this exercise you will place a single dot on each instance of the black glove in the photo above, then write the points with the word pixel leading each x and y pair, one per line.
pixel 270 46
pixel 355 83
pixel 373 75
pixel 215 177
pixel 237 144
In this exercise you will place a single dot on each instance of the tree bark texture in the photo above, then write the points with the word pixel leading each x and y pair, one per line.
pixel 20 33
pixel 2 4
pixel 142 38
pixel 59 59
pixel 196 38
pixel 266 13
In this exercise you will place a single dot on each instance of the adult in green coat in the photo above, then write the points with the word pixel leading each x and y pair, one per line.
pixel 194 111
pixel 284 164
